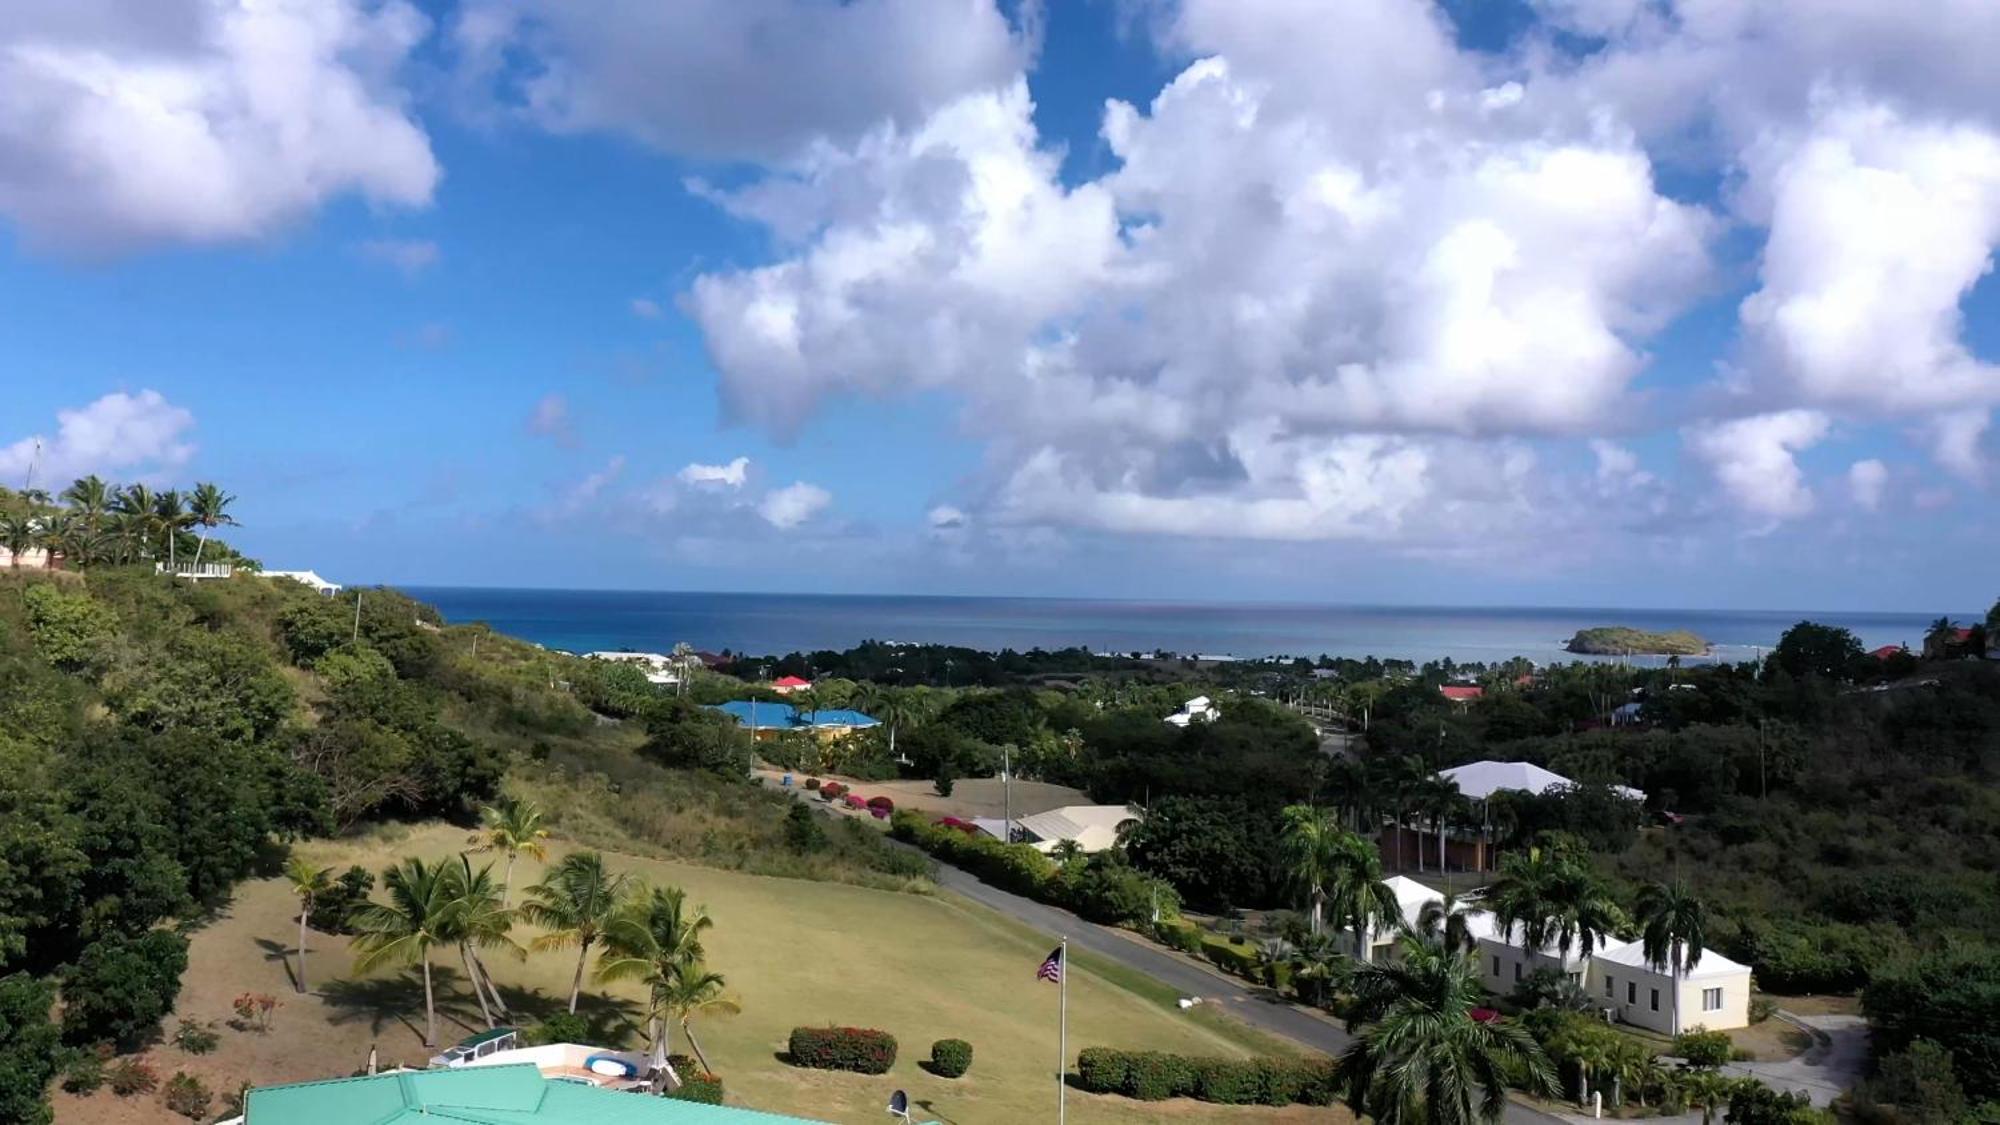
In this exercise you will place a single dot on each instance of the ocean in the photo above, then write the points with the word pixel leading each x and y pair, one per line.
pixel 762 624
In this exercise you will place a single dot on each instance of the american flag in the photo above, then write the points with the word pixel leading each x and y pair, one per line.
pixel 1052 966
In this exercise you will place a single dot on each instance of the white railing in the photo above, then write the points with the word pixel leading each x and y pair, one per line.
pixel 191 570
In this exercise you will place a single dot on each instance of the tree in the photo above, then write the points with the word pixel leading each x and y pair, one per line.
pixel 1705 1090
pixel 1809 649
pixel 896 710
pixel 574 902
pixel 1949 998
pixel 1672 933
pixel 121 988
pixel 696 991
pixel 1309 845
pixel 1319 967
pixel 1357 898
pixel 18 534
pixel 417 918
pixel 1218 852
pixel 28 1050
pixel 1921 1084
pixel 71 630
pixel 654 938
pixel 208 507
pixel 308 883
pixel 1446 922
pixel 1420 1058
pixel 479 920
pixel 513 826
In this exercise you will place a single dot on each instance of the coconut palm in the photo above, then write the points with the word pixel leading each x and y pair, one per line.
pixel 1308 844
pixel 480 920
pixel 208 506
pixel 171 519
pixel 417 918
pixel 1705 1090
pixel 308 883
pixel 1420 1058
pixel 1523 897
pixel 655 939
pixel 1399 779
pixel 1356 896
pixel 895 709
pixel 574 902
pixel 1319 967
pixel 133 508
pixel 1672 933
pixel 696 991
pixel 18 534
pixel 90 498
pixel 1446 922
pixel 513 826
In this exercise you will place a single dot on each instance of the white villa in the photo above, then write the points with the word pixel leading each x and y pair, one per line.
pixel 1714 992
pixel 320 585
pixel 1200 709
pixel 1480 780
pixel 659 667
pixel 1093 828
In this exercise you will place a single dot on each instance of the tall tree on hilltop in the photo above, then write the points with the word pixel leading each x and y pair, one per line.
pixel 574 902
pixel 1357 897
pixel 1309 845
pixel 209 508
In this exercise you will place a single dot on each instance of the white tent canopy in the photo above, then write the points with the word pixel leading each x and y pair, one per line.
pixel 1480 780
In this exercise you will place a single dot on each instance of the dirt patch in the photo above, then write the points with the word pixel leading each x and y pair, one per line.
pixel 1773 1040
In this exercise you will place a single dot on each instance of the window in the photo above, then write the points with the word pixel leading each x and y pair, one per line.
pixel 1711 999
pixel 1496 964
pixel 1631 992
pixel 1517 970
pixel 1656 999
pixel 1609 986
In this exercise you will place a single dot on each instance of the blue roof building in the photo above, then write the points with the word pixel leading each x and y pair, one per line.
pixel 764 718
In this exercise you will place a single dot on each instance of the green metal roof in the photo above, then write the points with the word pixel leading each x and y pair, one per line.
pixel 515 1094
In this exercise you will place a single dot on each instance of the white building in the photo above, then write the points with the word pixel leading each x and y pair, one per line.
pixel 1479 780
pixel 320 585
pixel 1714 992
pixel 659 667
pixel 1094 828
pixel 34 558
pixel 1200 709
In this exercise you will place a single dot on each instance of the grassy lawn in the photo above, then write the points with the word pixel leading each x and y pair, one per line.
pixel 795 952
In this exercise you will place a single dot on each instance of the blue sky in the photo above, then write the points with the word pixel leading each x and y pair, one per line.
pixel 1562 302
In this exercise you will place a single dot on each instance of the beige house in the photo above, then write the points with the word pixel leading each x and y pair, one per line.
pixel 1713 993
pixel 1093 828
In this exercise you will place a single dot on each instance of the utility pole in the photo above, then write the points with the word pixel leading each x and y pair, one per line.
pixel 1007 787
pixel 357 615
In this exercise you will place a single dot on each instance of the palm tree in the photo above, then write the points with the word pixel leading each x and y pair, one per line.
pixel 1436 799
pixel 1420 1058
pixel 1705 1089
pixel 480 920
pixel 18 535
pixel 1399 778
pixel 655 939
pixel 58 533
pixel 417 917
pixel 1634 1068
pixel 308 883
pixel 209 507
pixel 1308 844
pixel 1356 896
pixel 574 902
pixel 90 498
pixel 513 826
pixel 895 709
pixel 1672 933
pixel 134 508
pixel 1319 966
pixel 1523 897
pixel 171 518
pixel 694 991
pixel 1446 922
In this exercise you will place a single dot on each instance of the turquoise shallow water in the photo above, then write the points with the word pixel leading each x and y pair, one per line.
pixel 588 620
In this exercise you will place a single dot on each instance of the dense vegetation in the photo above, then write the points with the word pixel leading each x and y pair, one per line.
pixel 1623 640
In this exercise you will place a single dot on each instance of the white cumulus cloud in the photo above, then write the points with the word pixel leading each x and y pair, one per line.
pixel 794 504
pixel 118 435
pixel 1752 459
pixel 1866 481
pixel 729 475
pixel 124 124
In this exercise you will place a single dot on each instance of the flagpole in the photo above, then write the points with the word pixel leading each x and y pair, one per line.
pixel 1062 1041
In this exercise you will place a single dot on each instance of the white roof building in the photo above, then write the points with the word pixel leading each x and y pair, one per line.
pixel 1200 709
pixel 1480 780
pixel 1093 827
pixel 324 588
pixel 658 666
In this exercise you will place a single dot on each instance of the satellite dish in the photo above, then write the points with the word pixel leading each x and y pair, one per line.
pixel 899 1105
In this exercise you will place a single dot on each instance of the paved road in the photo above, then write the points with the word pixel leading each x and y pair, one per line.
pixel 1237 999
pixel 1833 1064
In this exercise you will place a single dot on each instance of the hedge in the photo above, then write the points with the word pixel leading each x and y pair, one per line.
pixel 697 1085
pixel 860 1049
pixel 1155 1076
pixel 951 1058
pixel 1241 960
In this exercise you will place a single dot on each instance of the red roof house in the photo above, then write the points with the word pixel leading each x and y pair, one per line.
pixel 1886 651
pixel 1462 693
pixel 785 685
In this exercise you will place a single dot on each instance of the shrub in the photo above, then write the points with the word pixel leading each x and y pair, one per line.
pixel 84 1072
pixel 697 1085
pixel 563 1027
pixel 122 988
pixel 802 829
pixel 254 1010
pixel 881 803
pixel 861 1049
pixel 185 1095
pixel 130 1076
pixel 1703 1048
pixel 1241 961
pixel 1762 1008
pixel 951 1058
pixel 812 783
pixel 1152 1076
pixel 1182 935
pixel 854 801
pixel 196 1037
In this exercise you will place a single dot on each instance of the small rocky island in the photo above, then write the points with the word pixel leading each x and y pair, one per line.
pixel 1619 640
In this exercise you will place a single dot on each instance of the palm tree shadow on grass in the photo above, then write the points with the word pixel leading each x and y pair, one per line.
pixel 284 955
pixel 611 1021
pixel 399 998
